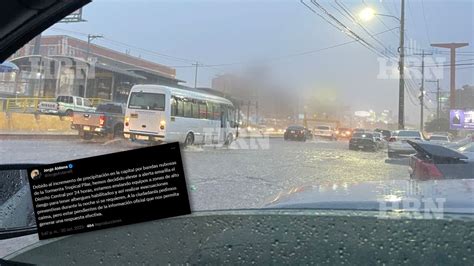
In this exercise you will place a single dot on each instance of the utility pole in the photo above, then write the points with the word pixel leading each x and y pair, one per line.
pixel 401 67
pixel 90 38
pixel 248 113
pixel 438 97
pixel 256 105
pixel 196 74
pixel 452 89
pixel 256 112
pixel 422 88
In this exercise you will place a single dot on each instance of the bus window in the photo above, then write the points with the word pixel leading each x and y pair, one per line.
pixel 195 108
pixel 223 116
pixel 210 115
pixel 174 106
pixel 202 110
pixel 187 109
pixel 216 110
pixel 180 107
pixel 231 116
pixel 147 101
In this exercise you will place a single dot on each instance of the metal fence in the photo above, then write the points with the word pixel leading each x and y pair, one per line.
pixel 30 105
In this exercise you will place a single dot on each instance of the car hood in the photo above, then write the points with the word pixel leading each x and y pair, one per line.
pixel 442 196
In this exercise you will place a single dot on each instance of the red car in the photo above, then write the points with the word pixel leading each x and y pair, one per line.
pixel 433 161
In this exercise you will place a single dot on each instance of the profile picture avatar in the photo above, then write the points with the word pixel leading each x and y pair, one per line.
pixel 35 174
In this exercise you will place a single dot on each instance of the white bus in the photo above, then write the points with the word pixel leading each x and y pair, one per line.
pixel 165 114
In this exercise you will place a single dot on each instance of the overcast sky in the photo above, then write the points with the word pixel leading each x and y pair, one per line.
pixel 220 32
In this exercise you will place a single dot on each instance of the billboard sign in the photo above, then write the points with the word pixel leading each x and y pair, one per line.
pixel 75 16
pixel 461 119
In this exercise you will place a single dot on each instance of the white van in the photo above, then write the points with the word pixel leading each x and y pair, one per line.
pixel 167 114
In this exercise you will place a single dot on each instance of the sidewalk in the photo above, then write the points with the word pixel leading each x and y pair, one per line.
pixel 5 134
pixel 37 135
pixel 244 134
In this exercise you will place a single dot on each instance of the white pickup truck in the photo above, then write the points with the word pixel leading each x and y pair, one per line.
pixel 66 105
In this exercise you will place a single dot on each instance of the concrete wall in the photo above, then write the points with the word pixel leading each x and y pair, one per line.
pixel 21 122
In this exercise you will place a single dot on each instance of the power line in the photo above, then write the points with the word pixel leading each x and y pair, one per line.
pixel 461 68
pixel 426 24
pixel 193 64
pixel 447 65
pixel 354 20
pixel 410 11
pixel 381 20
pixel 70 31
pixel 341 12
pixel 150 51
pixel 282 57
pixel 341 26
pixel 170 57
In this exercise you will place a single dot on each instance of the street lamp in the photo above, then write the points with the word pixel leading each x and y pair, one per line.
pixel 367 14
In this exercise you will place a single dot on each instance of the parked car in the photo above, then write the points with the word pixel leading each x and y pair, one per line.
pixel 442 133
pixel 433 161
pixel 343 133
pixel 440 139
pixel 106 120
pixel 363 141
pixel 297 132
pixel 398 145
pixel 359 130
pixel 326 132
pixel 460 143
pixel 387 134
pixel 468 150
pixel 66 105
pixel 379 138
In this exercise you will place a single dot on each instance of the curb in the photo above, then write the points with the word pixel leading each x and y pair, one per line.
pixel 60 136
pixel 21 135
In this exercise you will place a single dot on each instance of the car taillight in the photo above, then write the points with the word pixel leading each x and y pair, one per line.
pixel 102 120
pixel 425 170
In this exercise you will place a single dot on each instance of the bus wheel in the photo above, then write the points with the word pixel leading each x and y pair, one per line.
pixel 189 139
pixel 228 140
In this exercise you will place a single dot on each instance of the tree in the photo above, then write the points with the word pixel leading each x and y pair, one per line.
pixel 438 125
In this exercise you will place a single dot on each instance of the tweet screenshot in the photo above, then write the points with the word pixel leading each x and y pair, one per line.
pixel 109 190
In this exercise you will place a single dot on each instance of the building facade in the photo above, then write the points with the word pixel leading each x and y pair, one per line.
pixel 63 65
